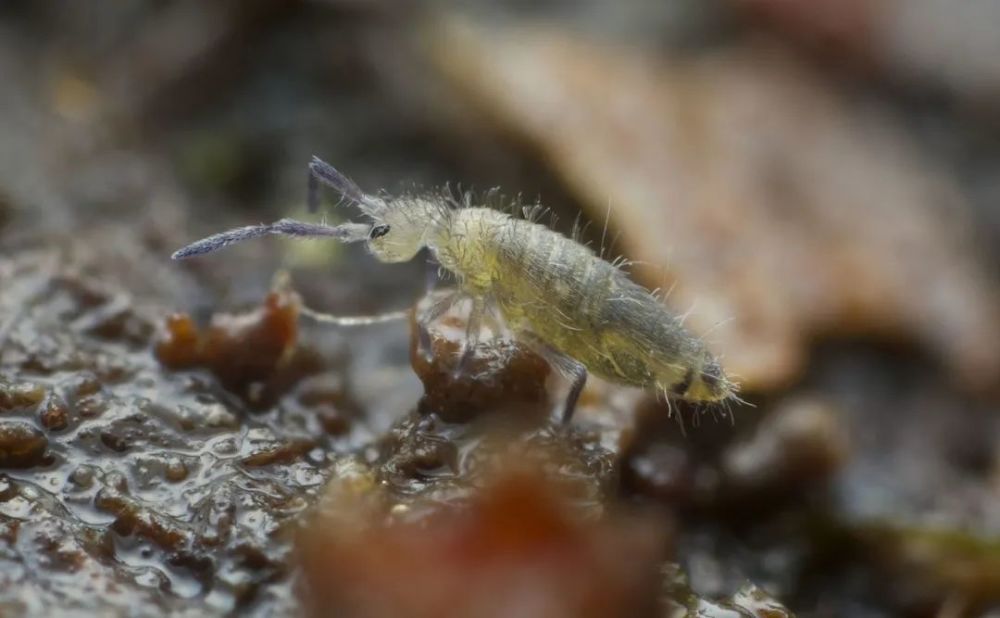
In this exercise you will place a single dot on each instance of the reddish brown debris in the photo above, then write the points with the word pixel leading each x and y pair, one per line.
pixel 800 445
pixel 53 414
pixel 936 44
pixel 848 28
pixel 20 395
pixel 179 346
pixel 21 445
pixel 770 201
pixel 133 518
pixel 518 549
pixel 245 351
pixel 500 376
pixel 284 453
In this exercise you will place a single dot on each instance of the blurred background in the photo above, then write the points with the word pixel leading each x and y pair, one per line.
pixel 816 183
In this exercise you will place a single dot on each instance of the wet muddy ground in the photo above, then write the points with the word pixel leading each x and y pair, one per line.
pixel 177 438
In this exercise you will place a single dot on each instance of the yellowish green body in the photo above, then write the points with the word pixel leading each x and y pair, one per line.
pixel 580 311
pixel 561 292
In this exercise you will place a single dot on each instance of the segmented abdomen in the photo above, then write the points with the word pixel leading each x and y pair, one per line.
pixel 557 282
pixel 578 303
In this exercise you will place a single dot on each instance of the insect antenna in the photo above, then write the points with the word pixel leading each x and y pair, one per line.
pixel 322 172
pixel 312 192
pixel 353 320
pixel 346 232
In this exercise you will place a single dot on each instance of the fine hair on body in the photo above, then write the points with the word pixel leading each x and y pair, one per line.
pixel 578 311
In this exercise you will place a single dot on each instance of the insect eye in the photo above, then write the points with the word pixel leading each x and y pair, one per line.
pixel 379 231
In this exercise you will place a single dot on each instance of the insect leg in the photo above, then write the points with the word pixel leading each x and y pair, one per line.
pixel 579 380
pixel 472 331
pixel 574 370
pixel 353 320
pixel 282 280
pixel 431 275
pixel 436 310
pixel 346 232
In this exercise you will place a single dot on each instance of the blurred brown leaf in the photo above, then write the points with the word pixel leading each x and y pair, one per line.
pixel 519 548
pixel 769 198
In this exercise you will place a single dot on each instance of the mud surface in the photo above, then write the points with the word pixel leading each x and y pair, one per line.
pixel 127 485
